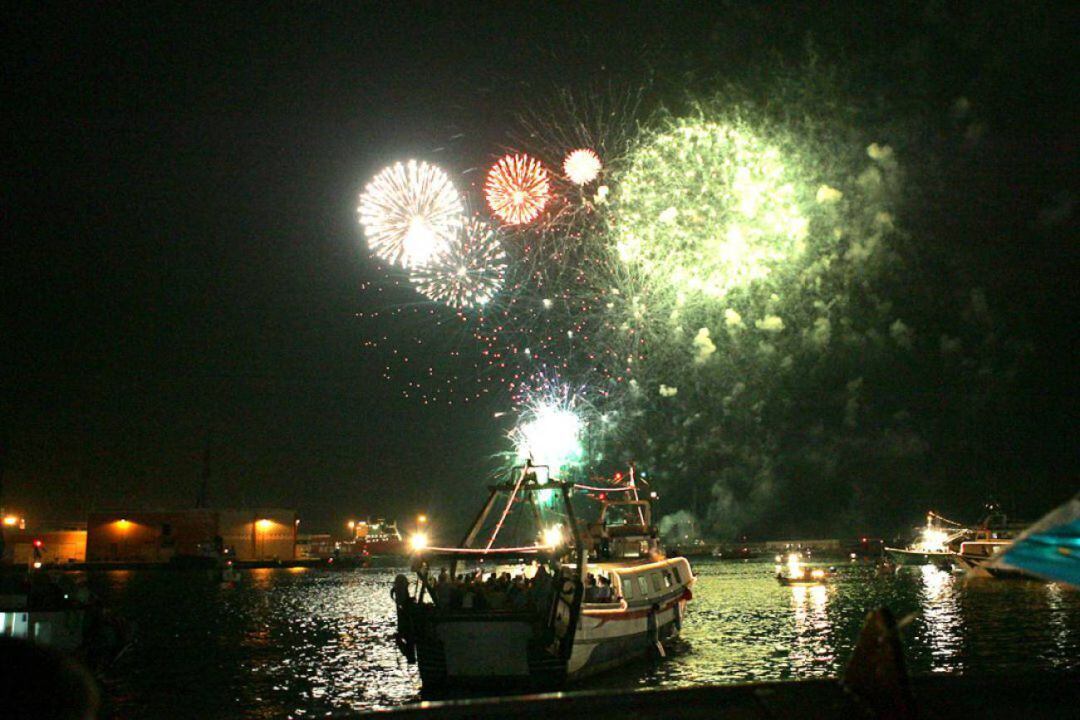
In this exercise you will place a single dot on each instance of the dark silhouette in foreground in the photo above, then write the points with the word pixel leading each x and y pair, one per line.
pixel 39 683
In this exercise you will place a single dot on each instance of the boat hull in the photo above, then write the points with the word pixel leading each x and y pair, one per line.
pixel 512 650
pixel 605 639
pixel 485 650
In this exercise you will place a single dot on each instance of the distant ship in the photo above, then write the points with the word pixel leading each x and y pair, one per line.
pixel 379 538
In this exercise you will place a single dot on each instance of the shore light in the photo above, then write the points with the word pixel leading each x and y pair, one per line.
pixel 264 524
pixel 418 541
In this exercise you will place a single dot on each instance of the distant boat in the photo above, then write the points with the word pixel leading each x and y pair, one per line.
pixel 793 572
pixel 935 544
pixel 582 597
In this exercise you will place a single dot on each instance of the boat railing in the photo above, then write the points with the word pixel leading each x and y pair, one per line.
pixel 610 607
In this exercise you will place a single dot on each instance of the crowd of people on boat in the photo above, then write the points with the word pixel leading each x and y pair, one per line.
pixel 492 591
pixel 477 590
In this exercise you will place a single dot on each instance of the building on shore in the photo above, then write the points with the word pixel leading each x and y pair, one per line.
pixel 58 545
pixel 157 536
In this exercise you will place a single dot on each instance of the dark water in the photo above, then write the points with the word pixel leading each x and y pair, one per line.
pixel 304 643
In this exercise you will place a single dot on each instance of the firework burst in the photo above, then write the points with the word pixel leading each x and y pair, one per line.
pixel 410 212
pixel 582 166
pixel 549 431
pixel 517 189
pixel 468 271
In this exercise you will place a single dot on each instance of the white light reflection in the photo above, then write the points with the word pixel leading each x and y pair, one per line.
pixel 941 618
pixel 813 652
pixel 1061 629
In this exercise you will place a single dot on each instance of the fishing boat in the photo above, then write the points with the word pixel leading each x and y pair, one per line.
pixel 575 598
pixel 936 543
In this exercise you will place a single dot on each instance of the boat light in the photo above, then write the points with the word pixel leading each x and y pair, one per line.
pixel 553 537
pixel 418 541
pixel 10 520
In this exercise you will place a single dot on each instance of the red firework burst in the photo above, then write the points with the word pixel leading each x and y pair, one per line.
pixel 517 189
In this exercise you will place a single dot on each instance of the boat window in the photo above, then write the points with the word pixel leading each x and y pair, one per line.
pixel 655 581
pixel 678 577
pixel 642 586
pixel 627 587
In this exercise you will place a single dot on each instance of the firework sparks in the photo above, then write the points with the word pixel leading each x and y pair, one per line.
pixel 410 212
pixel 708 207
pixel 549 433
pixel 582 166
pixel 468 271
pixel 517 189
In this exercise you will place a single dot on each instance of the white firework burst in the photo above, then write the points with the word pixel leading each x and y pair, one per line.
pixel 468 271
pixel 410 212
pixel 582 166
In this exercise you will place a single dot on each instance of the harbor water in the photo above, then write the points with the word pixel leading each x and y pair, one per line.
pixel 310 642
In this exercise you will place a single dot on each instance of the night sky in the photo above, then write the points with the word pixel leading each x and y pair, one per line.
pixel 182 260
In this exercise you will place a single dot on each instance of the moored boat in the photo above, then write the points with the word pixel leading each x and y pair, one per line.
pixel 574 599
pixel 974 553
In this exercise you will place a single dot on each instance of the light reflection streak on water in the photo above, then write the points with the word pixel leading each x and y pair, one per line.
pixel 1063 631
pixel 941 618
pixel 812 649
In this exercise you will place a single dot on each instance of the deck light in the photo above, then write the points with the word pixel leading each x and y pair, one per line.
pixel 553 537
pixel 418 541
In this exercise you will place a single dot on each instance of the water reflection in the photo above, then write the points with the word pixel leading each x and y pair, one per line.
pixel 282 643
pixel 941 617
pixel 812 652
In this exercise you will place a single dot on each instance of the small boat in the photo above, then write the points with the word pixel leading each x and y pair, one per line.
pixel 229 573
pixel 792 572
pixel 49 608
pixel 570 600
